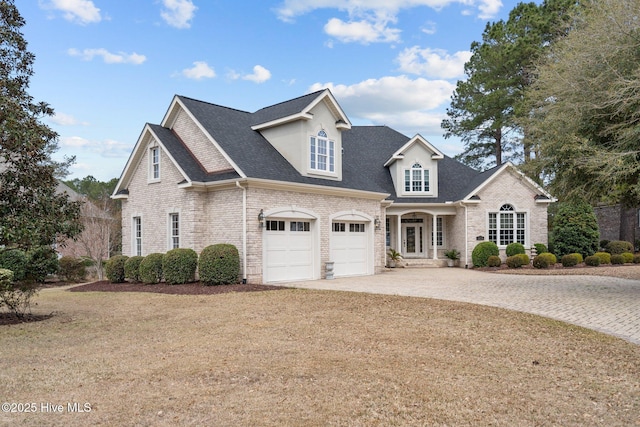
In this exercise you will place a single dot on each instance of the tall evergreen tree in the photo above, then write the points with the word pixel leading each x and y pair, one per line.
pixel 32 213
pixel 486 106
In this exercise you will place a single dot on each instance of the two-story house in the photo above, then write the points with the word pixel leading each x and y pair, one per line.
pixel 296 185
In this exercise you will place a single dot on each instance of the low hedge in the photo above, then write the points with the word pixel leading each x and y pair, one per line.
pixel 616 247
pixel 494 261
pixel 514 261
pixel 151 268
pixel 544 260
pixel 605 257
pixel 179 266
pixel 114 268
pixel 636 259
pixel 72 269
pixel 570 260
pixel 219 265
pixel 592 261
pixel 617 259
pixel 132 268
pixel 628 257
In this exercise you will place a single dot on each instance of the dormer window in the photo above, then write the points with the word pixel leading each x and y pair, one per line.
pixel 322 153
pixel 416 179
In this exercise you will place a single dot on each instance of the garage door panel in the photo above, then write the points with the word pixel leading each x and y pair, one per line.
pixel 289 252
pixel 349 249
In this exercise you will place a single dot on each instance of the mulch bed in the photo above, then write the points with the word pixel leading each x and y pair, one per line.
pixel 196 288
pixel 12 319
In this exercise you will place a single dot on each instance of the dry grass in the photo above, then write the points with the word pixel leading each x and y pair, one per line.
pixel 312 358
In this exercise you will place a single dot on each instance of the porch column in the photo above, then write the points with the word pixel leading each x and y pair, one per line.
pixel 399 234
pixel 434 238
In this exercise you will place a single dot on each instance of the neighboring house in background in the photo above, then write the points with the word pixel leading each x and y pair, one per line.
pixel 296 185
pixel 616 222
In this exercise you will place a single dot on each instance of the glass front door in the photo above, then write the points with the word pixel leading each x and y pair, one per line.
pixel 412 240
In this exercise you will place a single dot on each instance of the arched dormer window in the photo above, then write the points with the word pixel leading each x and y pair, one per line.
pixel 322 153
pixel 507 226
pixel 416 179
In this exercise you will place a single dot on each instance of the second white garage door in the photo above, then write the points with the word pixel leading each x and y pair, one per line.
pixel 288 250
pixel 349 248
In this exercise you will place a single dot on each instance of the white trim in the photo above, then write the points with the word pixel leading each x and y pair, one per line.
pixel 355 216
pixel 399 154
pixel 502 168
pixel 169 213
pixel 133 235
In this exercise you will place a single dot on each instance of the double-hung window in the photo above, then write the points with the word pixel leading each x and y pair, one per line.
pixel 416 179
pixel 137 235
pixel 507 226
pixel 174 228
pixel 154 163
pixel 322 153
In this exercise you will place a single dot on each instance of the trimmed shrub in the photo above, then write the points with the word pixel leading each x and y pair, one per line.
pixel 16 296
pixel 617 259
pixel 514 261
pixel 540 248
pixel 179 266
pixel 570 260
pixel 605 257
pixel 544 260
pixel 494 261
pixel 132 268
pixel 515 249
pixel 603 243
pixel 592 261
pixel 636 259
pixel 219 265
pixel 579 256
pixel 628 257
pixel 575 229
pixel 72 269
pixel 524 258
pixel 482 252
pixel 615 247
pixel 114 268
pixel 42 262
pixel 151 268
pixel 15 260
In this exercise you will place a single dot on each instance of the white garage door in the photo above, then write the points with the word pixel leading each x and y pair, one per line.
pixel 349 248
pixel 288 250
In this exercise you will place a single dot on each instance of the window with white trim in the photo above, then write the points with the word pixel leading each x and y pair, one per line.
pixel 174 227
pixel 137 235
pixel 439 232
pixel 322 153
pixel 507 226
pixel 154 163
pixel 416 179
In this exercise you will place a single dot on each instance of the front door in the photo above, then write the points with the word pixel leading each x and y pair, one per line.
pixel 412 240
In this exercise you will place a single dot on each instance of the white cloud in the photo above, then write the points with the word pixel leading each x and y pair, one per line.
pixel 109 57
pixel 178 13
pixel 63 119
pixel 361 31
pixel 260 75
pixel 74 142
pixel 80 11
pixel 429 27
pixel 436 63
pixel 80 146
pixel 200 70
pixel 409 105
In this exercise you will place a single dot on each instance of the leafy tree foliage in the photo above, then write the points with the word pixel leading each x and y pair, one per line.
pixel 586 106
pixel 32 213
pixel 575 229
pixel 485 107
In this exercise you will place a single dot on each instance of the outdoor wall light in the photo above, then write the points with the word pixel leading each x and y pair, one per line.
pixel 376 223
pixel 261 218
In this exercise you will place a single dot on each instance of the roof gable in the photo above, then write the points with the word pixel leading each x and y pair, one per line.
pixel 418 139
pixel 487 177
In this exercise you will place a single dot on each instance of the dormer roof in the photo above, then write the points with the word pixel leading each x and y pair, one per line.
pixel 418 139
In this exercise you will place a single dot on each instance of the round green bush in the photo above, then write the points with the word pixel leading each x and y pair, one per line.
pixel 544 260
pixel 494 261
pixel 514 261
pixel 15 260
pixel 482 252
pixel 515 249
pixel 636 259
pixel 151 268
pixel 579 256
pixel 219 265
pixel 592 261
pixel 617 259
pixel 72 269
pixel 42 262
pixel 569 260
pixel 628 257
pixel 605 257
pixel 540 248
pixel 615 247
pixel 179 266
pixel 132 268
pixel 114 268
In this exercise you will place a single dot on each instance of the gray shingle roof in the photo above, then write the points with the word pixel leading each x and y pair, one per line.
pixel 365 151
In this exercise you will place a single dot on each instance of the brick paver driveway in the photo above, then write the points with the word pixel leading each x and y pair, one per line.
pixel 605 304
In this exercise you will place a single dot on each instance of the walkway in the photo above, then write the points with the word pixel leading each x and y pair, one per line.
pixel 605 304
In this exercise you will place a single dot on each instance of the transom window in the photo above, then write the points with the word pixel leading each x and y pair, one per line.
pixel 507 226
pixel 416 179
pixel 275 225
pixel 322 153
pixel 341 227
pixel 300 226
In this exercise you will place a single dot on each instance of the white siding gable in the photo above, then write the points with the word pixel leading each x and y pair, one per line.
pixel 417 160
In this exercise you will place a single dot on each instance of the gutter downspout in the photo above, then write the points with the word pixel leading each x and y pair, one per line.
pixel 466 236
pixel 244 232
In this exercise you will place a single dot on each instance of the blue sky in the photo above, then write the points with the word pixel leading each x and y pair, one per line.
pixel 109 66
